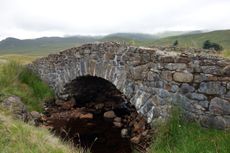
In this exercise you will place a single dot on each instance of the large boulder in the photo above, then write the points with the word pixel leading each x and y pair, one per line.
pixel 16 107
pixel 219 106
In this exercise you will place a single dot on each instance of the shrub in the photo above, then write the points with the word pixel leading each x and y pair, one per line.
pixel 175 43
pixel 210 45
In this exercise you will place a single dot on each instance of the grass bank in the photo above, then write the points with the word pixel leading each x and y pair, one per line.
pixel 18 137
pixel 15 79
pixel 180 136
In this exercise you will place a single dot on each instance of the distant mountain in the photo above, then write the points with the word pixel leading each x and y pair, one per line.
pixel 194 39
pixel 42 45
pixel 130 36
pixel 46 45
pixel 176 33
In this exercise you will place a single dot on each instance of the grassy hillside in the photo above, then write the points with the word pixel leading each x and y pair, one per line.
pixel 46 45
pixel 196 40
pixel 17 80
pixel 19 137
pixel 180 136
pixel 41 46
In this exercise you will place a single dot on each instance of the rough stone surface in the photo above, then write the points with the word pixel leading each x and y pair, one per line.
pixel 16 107
pixel 183 77
pixel 212 88
pixel 151 79
pixel 220 106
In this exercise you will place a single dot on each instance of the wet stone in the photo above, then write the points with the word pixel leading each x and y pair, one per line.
pixel 135 139
pixel 101 119
pixel 86 116
pixel 109 114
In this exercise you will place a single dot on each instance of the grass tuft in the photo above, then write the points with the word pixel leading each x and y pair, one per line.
pixel 226 53
pixel 180 136
pixel 39 88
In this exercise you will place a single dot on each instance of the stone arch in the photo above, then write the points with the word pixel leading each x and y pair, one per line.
pixel 98 116
pixel 60 69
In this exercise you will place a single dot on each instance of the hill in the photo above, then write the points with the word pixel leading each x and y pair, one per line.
pixel 176 33
pixel 42 45
pixel 46 45
pixel 130 36
pixel 221 37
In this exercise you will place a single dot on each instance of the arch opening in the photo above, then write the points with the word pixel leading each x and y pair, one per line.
pixel 98 116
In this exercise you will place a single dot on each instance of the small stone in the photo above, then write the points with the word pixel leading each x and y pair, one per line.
pixel 174 88
pixel 228 85
pixel 204 104
pixel 58 102
pixel 86 116
pixel 99 106
pixel 117 119
pixel 139 125
pixel 183 77
pixel 167 59
pixel 136 139
pixel 226 70
pixel 175 66
pixel 186 88
pixel 124 133
pixel 196 96
pixel 199 107
pixel 145 133
pixel 166 75
pixel 35 114
pixel 109 114
pixel 117 124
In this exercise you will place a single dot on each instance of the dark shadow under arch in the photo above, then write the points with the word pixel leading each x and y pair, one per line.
pixel 97 116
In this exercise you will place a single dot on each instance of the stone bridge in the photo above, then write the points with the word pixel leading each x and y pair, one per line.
pixel 151 79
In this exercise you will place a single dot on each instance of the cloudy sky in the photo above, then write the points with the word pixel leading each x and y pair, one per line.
pixel 37 18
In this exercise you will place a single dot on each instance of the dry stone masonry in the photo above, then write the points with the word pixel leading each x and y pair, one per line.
pixel 153 80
